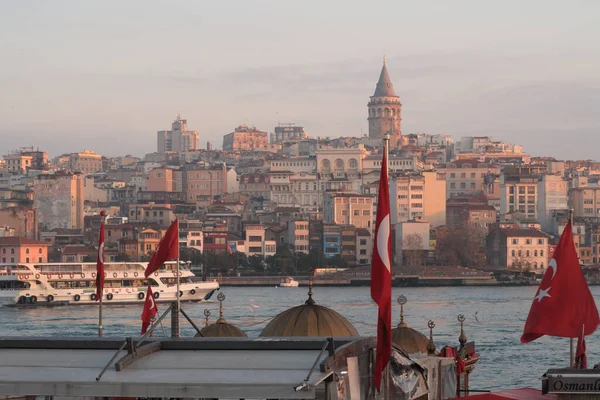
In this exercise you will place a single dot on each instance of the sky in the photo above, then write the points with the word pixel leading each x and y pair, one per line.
pixel 106 75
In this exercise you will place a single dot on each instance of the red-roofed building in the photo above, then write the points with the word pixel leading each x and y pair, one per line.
pixel 22 250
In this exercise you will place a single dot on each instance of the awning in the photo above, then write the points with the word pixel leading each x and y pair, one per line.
pixel 196 368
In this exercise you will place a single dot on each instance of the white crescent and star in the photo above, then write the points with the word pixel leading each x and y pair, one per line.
pixel 552 264
pixel 101 252
pixel 544 292
pixel 383 237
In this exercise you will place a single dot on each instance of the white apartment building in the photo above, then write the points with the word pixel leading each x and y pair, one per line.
pixel 419 197
pixel 372 163
pixel 255 239
pixel 519 193
pixel 552 196
pixel 299 236
pixel 467 176
pixel 294 164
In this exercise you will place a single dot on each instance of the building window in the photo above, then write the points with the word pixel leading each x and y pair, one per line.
pixel 515 241
pixel 27 259
pixel 540 241
pixel 514 253
pixel 528 241
pixel 542 254
pixel 535 253
pixel 12 251
pixel 27 251
pixel 40 259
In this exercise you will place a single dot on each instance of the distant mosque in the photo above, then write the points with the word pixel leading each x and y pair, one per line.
pixel 385 110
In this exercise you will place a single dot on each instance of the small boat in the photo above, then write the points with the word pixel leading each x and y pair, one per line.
pixel 288 281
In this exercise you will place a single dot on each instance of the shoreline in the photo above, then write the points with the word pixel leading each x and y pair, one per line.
pixel 397 282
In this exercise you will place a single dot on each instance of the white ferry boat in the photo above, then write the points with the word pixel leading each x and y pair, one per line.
pixel 288 281
pixel 75 283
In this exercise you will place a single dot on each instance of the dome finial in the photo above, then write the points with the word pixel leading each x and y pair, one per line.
pixel 462 338
pixel 402 301
pixel 431 345
pixel 206 315
pixel 384 58
pixel 221 298
pixel 310 300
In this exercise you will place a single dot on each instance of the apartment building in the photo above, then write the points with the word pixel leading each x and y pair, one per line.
pixel 202 184
pixel 420 196
pixel 364 246
pixel 299 236
pixel 467 176
pixel 349 209
pixel 245 138
pixel 15 249
pixel 59 199
pixel 523 249
pixel 519 192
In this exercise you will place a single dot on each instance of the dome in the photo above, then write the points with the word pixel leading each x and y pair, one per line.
pixel 220 328
pixel 309 319
pixel 408 339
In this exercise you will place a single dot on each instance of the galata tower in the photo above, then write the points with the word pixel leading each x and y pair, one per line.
pixel 385 110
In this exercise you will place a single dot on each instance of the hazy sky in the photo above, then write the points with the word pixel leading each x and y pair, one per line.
pixel 106 75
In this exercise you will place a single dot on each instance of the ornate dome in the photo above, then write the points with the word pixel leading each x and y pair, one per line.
pixel 220 328
pixel 408 339
pixel 309 319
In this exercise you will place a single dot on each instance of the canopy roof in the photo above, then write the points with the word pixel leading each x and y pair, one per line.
pixel 192 368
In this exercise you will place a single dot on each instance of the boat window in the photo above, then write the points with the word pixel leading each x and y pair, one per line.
pixel 14 285
pixel 59 268
pixel 72 284
pixel 173 281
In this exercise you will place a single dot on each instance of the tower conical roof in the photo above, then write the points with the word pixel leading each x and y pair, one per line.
pixel 384 85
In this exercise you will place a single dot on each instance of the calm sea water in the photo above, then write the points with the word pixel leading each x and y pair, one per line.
pixel 494 320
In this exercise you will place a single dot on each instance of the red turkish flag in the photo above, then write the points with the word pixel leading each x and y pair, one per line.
pixel 100 263
pixel 580 357
pixel 563 304
pixel 167 249
pixel 381 275
pixel 149 311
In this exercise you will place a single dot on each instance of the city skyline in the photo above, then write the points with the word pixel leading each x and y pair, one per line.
pixel 83 75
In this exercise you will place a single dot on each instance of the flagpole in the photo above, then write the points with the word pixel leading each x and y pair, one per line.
pixel 101 251
pixel 386 147
pixel 571 342
pixel 177 333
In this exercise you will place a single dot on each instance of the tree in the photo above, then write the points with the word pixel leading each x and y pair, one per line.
pixel 122 257
pixel 520 262
pixel 412 246
pixel 190 254
pixel 461 244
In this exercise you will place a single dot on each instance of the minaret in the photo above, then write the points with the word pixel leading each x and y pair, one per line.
pixel 385 110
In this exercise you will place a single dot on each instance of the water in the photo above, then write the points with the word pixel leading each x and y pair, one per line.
pixel 501 312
